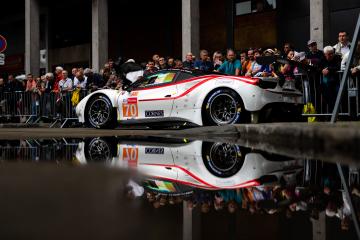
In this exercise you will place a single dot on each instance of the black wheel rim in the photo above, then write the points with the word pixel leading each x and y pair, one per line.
pixel 99 151
pixel 223 109
pixel 224 156
pixel 99 112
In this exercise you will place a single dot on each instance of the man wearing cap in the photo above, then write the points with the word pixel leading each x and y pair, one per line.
pixel 314 55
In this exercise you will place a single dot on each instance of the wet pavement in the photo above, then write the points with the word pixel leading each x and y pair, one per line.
pixel 136 187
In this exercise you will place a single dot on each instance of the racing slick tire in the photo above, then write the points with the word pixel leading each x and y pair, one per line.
pixel 99 113
pixel 222 159
pixel 221 107
pixel 100 150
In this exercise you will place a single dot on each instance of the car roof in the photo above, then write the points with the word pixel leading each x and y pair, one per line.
pixel 195 72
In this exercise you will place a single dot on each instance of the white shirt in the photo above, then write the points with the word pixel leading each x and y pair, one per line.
pixel 82 84
pixel 64 84
pixel 341 48
pixel 344 61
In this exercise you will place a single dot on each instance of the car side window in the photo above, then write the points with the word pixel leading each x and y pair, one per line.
pixel 157 79
pixel 183 76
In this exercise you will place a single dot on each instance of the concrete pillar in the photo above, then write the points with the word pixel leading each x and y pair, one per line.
pixel 190 27
pixel 319 22
pixel 319 227
pixel 32 37
pixel 99 34
pixel 230 23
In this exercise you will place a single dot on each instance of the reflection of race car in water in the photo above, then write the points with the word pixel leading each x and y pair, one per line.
pixel 197 164
pixel 178 96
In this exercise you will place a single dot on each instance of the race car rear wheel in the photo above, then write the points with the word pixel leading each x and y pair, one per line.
pixel 221 107
pixel 100 113
pixel 222 159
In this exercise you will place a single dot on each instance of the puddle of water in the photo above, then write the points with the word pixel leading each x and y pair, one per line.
pixel 110 188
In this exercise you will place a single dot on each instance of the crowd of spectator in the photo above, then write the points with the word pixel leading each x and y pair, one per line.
pixel 324 63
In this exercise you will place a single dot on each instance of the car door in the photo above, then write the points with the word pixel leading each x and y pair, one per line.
pixel 154 99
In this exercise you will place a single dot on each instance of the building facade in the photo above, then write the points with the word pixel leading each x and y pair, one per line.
pixel 43 34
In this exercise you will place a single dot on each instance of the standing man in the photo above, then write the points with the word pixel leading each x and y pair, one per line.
pixel 343 46
pixel 203 64
pixel 231 66
pixel 65 83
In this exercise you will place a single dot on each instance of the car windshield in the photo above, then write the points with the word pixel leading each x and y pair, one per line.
pixel 154 79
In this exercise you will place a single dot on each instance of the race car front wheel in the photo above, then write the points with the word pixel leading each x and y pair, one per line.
pixel 222 107
pixel 223 159
pixel 100 113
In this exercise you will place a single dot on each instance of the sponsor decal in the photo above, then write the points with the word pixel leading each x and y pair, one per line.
pixel 130 110
pixel 154 113
pixel 154 150
pixel 132 100
pixel 131 156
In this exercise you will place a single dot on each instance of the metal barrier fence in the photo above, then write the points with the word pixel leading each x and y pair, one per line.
pixel 317 92
pixel 31 107
pixel 50 150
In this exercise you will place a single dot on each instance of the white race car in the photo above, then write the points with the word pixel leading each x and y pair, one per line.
pixel 180 96
pixel 198 164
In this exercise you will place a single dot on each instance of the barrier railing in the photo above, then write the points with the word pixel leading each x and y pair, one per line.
pixel 32 151
pixel 322 95
pixel 32 107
